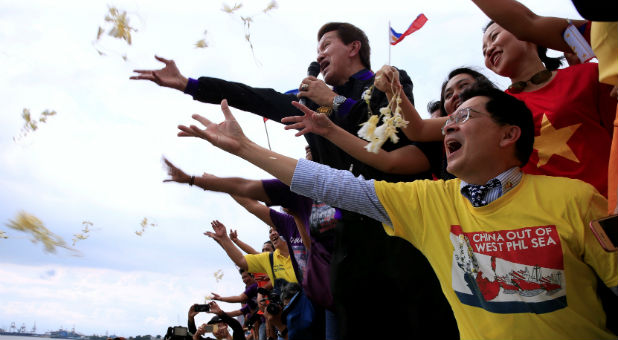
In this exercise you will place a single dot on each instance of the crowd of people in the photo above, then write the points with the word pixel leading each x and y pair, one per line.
pixel 473 224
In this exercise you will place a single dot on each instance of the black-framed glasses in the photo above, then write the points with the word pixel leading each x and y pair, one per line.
pixel 458 117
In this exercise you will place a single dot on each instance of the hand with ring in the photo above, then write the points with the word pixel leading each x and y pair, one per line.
pixel 319 93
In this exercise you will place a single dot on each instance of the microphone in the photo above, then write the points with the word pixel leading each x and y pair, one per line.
pixel 313 70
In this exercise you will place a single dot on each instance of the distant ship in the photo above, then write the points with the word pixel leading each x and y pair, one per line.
pixel 65 334
pixel 21 331
pixel 59 334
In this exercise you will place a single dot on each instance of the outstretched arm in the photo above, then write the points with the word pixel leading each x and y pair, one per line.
pixel 242 245
pixel 256 208
pixel 344 190
pixel 408 159
pixel 168 76
pixel 229 136
pixel 516 18
pixel 220 235
pixel 265 102
pixel 231 185
pixel 230 299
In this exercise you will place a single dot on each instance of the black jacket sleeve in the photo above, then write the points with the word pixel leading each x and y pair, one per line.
pixel 264 102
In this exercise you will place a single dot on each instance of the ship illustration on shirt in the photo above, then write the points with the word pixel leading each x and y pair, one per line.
pixel 509 271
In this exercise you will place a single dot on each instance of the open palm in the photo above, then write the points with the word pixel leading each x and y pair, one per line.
pixel 310 122
pixel 227 135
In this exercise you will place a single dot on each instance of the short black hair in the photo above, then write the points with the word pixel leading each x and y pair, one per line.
pixel 550 63
pixel 433 106
pixel 263 291
pixel 349 33
pixel 505 109
pixel 270 243
pixel 479 79
pixel 242 270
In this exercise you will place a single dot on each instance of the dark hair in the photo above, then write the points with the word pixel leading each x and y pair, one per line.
pixel 263 291
pixel 270 243
pixel 289 290
pixel 215 319
pixel 242 270
pixel 479 79
pixel 434 105
pixel 550 63
pixel 508 110
pixel 349 33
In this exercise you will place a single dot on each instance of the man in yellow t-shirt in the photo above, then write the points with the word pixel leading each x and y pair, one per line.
pixel 513 252
pixel 257 263
pixel 282 264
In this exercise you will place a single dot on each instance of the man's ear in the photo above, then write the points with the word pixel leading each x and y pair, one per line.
pixel 510 135
pixel 355 47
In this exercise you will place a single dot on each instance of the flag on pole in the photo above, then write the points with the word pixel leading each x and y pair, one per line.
pixel 420 20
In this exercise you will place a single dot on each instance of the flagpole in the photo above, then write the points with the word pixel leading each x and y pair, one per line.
pixel 267 137
pixel 389 41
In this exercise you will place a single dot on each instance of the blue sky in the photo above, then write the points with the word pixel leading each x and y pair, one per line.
pixel 99 158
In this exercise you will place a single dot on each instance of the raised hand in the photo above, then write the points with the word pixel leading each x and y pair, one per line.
pixel 168 76
pixel 214 308
pixel 233 235
pixel 310 122
pixel 215 296
pixel 201 330
pixel 387 80
pixel 227 135
pixel 219 233
pixel 176 175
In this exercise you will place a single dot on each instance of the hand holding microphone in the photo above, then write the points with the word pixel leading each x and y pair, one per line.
pixel 314 89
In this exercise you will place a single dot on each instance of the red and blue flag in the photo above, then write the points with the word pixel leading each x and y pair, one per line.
pixel 420 20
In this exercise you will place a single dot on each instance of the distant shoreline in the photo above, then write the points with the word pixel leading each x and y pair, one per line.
pixel 23 337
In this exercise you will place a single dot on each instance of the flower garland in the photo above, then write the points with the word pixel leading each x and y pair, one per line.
pixel 378 135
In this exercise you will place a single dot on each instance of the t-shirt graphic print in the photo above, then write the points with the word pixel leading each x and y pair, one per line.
pixel 509 271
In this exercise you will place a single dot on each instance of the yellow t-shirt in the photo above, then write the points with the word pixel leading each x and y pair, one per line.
pixel 604 43
pixel 520 267
pixel 260 263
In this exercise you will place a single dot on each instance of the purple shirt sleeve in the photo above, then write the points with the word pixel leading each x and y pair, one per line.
pixel 251 291
pixel 285 225
pixel 345 108
pixel 280 194
pixel 192 86
pixel 245 309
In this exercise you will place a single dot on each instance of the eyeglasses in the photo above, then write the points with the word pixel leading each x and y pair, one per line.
pixel 458 117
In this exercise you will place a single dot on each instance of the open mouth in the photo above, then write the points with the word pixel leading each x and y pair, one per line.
pixel 323 66
pixel 452 146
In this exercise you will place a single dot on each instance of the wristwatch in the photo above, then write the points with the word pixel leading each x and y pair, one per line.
pixel 337 101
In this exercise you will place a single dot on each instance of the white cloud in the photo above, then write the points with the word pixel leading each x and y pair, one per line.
pixel 100 300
